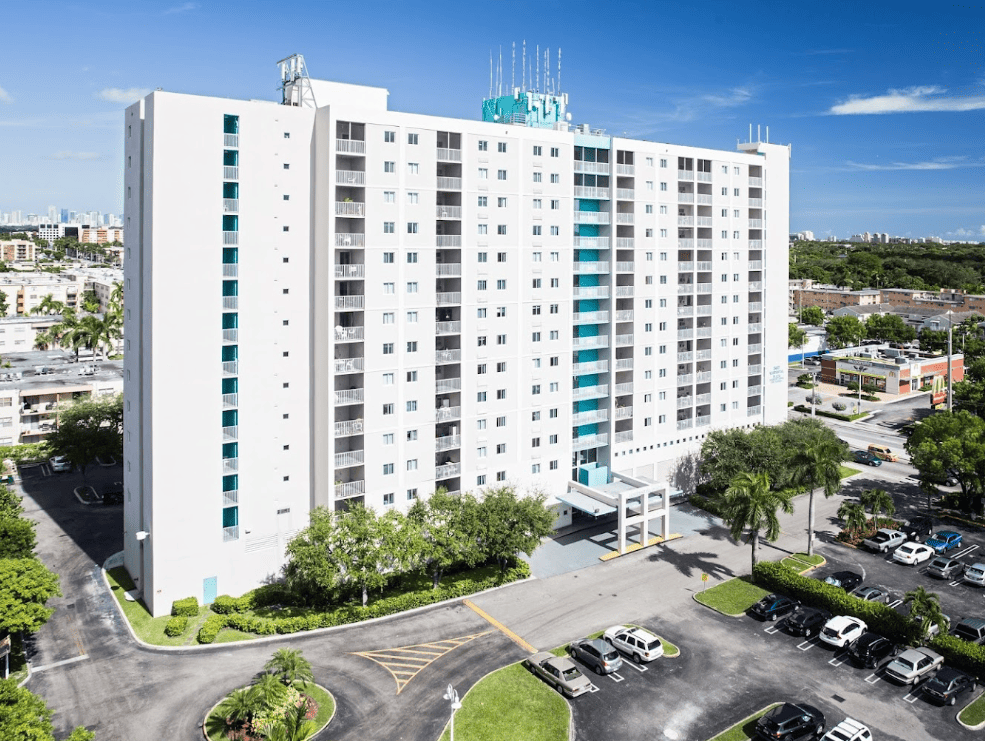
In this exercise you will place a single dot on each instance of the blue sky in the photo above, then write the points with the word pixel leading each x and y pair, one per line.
pixel 882 102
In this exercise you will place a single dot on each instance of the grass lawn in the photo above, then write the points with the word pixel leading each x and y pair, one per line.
pixel 847 471
pixel 215 724
pixel 511 705
pixel 745 728
pixel 974 713
pixel 732 597
pixel 801 562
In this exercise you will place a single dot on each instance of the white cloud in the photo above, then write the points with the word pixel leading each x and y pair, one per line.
pixel 691 109
pixel 78 156
pixel 5 96
pixel 939 163
pixel 122 95
pixel 909 100
pixel 183 8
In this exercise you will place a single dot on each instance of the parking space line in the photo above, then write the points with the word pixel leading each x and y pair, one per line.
pixel 616 677
pixel 872 678
pixel 894 603
pixel 771 630
pixel 806 645
pixel 634 665
pixel 911 697
pixel 592 688
pixel 838 659
pixel 954 583
pixel 965 552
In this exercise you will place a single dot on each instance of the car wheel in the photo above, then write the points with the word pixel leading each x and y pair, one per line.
pixel 953 700
pixel 773 617
pixel 637 658
pixel 819 730
pixel 559 689
pixel 808 633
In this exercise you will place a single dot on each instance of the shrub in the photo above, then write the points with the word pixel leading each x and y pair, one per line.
pixel 706 503
pixel 210 628
pixel 176 626
pixel 187 607
pixel 839 405
pixel 224 604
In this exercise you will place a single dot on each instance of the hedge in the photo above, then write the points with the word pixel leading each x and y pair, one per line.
pixel 187 607
pixel 176 626
pixel 961 654
pixel 833 415
pixel 706 503
pixel 229 612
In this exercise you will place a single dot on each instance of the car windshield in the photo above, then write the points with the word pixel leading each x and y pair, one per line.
pixel 839 735
pixel 940 536
pixel 570 674
pixel 975 572
pixel 906 664
pixel 832 580
pixel 939 563
pixel 906 549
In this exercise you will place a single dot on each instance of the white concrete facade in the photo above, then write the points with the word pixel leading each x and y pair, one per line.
pixel 414 315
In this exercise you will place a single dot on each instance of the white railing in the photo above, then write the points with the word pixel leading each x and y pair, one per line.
pixel 584 191
pixel 350 146
pixel 704 177
pixel 621 389
pixel 230 238
pixel 350 271
pixel 625 291
pixel 230 497
pixel 448 470
pixel 592 242
pixel 755 306
pixel 230 140
pixel 755 223
pixel 451 269
pixel 349 334
pixel 447 442
pixel 704 310
pixel 685 379
pixel 625 218
pixel 582 343
pixel 350 489
pixel 230 205
pixel 625 169
pixel 230 533
pixel 702 355
pixel 684 424
pixel 230 465
pixel 448 328
pixel 755 348
pixel 685 334
pixel 350 239
pixel 449 183
pixel 624 315
pixel 349 458
pixel 704 221
pixel 230 335
pixel 625 194
pixel 683 289
pixel 350 177
pixel 445 414
pixel 685 174
pixel 703 266
pixel 685 402
pixel 447 356
pixel 447 385
pixel 230 172
pixel 685 197
pixel 704 198
pixel 599 168
pixel 349 302
pixel 349 365
pixel 230 368
pixel 448 212
pixel 623 437
pixel 754 391
pixel 348 428
pixel 754 370
pixel 583 292
pixel 703 332
pixel 755 244
pixel 589 367
pixel 590 317
pixel 702 421
pixel 755 264
pixel 685 244
pixel 704 287
pixel 590 417
pixel 230 270
pixel 702 377
pixel 703 244
pixel 590 441
pixel 685 357
pixel 452 297
pixel 755 182
pixel 230 433
pixel 590 392
pixel 624 340
pixel 685 221
pixel 625 243
pixel 701 399
pixel 444 154
pixel 624 364
pixel 755 328
pixel 755 285
pixel 230 400
pixel 755 203
pixel 685 311
pixel 349 396
pixel 596 266
pixel 350 208
pixel 448 240
pixel 753 411
pixel 592 217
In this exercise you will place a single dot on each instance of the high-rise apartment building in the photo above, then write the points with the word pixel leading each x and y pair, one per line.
pixel 387 303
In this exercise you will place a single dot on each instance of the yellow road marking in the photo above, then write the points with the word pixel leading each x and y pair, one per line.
pixel 637 546
pixel 493 621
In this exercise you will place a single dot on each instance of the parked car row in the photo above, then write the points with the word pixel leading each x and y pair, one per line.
pixel 791 721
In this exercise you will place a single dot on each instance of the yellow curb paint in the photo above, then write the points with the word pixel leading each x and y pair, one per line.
pixel 637 546
pixel 495 623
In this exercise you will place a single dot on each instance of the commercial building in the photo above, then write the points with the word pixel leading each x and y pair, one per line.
pixel 890 370
pixel 388 303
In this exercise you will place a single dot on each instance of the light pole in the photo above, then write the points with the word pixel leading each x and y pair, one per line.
pixel 859 367
pixel 452 696
pixel 814 375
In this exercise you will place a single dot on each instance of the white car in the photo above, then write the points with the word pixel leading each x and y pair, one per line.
pixel 639 643
pixel 848 730
pixel 842 630
pixel 913 553
pixel 60 463
pixel 975 574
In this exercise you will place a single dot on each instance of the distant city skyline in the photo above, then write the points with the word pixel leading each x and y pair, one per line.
pixel 878 137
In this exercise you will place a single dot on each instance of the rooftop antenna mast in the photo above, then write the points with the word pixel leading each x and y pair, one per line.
pixel 547 70
pixel 295 84
pixel 490 75
pixel 559 70
pixel 523 72
pixel 538 69
pixel 499 89
pixel 513 70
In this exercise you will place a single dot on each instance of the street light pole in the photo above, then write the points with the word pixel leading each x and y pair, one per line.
pixel 452 696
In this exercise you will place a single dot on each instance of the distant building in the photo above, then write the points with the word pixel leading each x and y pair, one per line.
pixel 100 234
pixel 830 298
pixel 17 250
pixel 890 371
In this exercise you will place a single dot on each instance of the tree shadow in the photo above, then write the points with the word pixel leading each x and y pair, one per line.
pixel 686 474
pixel 692 564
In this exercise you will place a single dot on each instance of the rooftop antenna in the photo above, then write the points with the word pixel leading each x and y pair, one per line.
pixel 750 133
pixel 767 134
pixel 559 70
pixel 547 70
pixel 499 90
pixel 538 69
pixel 490 74
pixel 513 70
pixel 759 130
pixel 295 84
pixel 523 72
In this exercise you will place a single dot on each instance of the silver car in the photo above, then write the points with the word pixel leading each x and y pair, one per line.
pixel 597 654
pixel 943 567
pixel 975 574
pixel 560 672
pixel 913 665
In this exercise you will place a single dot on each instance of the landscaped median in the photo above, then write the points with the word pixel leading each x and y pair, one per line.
pixel 802 563
pixel 745 729
pixel 973 716
pixel 732 597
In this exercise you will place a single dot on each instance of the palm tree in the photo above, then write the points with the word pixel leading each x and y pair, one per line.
pixel 293 727
pixel 290 666
pixel 853 514
pixel 878 500
pixel 818 464
pixel 268 691
pixel 48 305
pixel 116 297
pixel 42 340
pixel 927 607
pixel 110 330
pixel 239 707
pixel 750 503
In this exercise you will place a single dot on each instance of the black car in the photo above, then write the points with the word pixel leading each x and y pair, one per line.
pixel 847 580
pixel 789 722
pixel 807 621
pixel 947 684
pixel 773 606
pixel 918 528
pixel 869 650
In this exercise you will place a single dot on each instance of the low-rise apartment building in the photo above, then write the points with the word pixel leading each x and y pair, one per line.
pixel 17 250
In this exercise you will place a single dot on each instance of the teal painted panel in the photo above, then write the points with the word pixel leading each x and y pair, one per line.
pixel 587 405
pixel 230 385
pixel 582 255
pixel 230 223
pixel 231 482
pixel 587 356
pixel 230 353
pixel 587 204
pixel 230 417
pixel 588 230
pixel 586 430
pixel 210 588
pixel 588 280
pixel 230 255
pixel 230 516
pixel 230 190
pixel 587 380
pixel 230 158
pixel 230 320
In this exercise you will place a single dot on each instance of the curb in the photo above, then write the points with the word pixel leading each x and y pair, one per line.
pixel 287 636
pixel 958 716
pixel 335 710
pixel 708 607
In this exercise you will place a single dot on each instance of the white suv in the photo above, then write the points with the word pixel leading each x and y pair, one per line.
pixel 848 730
pixel 842 630
pixel 639 643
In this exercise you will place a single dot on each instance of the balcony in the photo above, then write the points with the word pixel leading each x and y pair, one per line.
pixel 685 334
pixel 349 458
pixel 448 269
pixel 685 244
pixel 685 402
pixel 350 177
pixel 624 364
pixel 624 315
pixel 685 175
pixel 344 303
pixel 590 317
pixel 755 328
pixel 589 441
pixel 230 433
pixel 442 328
pixel 685 221
pixel 230 368
pixel 230 270
pixel 623 389
pixel 625 243
pixel 754 369
pixel 443 154
pixel 624 340
pixel 350 489
pixel 755 223
pixel 229 238
pixel 704 221
pixel 583 191
pixel 597 168
pixel 590 417
pixel 230 401
pixel 704 310
pixel 447 414
pixel 685 197
pixel 448 212
pixel 448 240
pixel 230 465
pixel 625 194
pixel 598 391
pixel 702 421
pixel 755 285
pixel 703 332
pixel 230 173
pixel 587 292
pixel 754 411
pixel 587 343
pixel 704 177
pixel 685 311
pixel 755 203
pixel 754 391
pixel 443 357
pixel 685 379
pixel 350 146
pixel 230 140
pixel 449 183
pixel 755 244
pixel 755 182
pixel 350 239
pixel 685 289
pixel 447 471
pixel 348 428
pixel 703 287
pixel 702 355
pixel 755 348
pixel 592 242
pixel 685 424
pixel 625 169
pixel 590 367
pixel 625 218
pixel 230 205
pixel 230 533
pixel 592 217
pixel 447 385
pixel 349 396
pixel 704 199
pixel 685 357
pixel 702 399
pixel 231 497
pixel 350 208
pixel 755 306
pixel 230 336
pixel 350 271
pixel 755 264
pixel 623 437
pixel 448 442
pixel 591 268
pixel 349 334
pixel 349 365
pixel 702 377
pixel 625 291
pixel 449 298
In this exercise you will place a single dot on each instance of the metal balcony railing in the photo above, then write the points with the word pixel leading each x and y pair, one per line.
pixel 350 146
pixel 350 271
pixel 349 396
pixel 350 208
pixel 447 470
pixel 350 177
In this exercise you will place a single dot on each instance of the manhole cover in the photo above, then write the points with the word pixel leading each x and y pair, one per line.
pixel 70 607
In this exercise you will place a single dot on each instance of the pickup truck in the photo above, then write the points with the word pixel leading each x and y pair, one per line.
pixel 944 541
pixel 885 540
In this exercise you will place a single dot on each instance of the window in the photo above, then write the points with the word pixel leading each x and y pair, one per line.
pixel 553 465
pixel 649 280
pixel 501 421
pixel 480 369
pixel 412 138
pixel 555 231
pixel 663 232
pixel 538 151
pixel 555 308
pixel 536 256
pixel 663 163
pixel 412 227
pixel 555 177
pixel 483 173
pixel 411 257
pixel 663 186
pixel 501 448
pixel 481 340
pixel 483 201
pixel 535 468
pixel 413 198
pixel 388 438
pixel 555 152
pixel 500 394
pixel 483 146
pixel 735 191
pixel 480 452
pixel 501 174
pixel 387 500
pixel 387 379
pixel 501 229
pixel 387 409
pixel 501 147
pixel 501 367
pixel 389 227
pixel 662 373
pixel 535 283
pixel 389 196
pixel 411 376
pixel 649 232
pixel 480 396
pixel 649 185
pixel 411 435
pixel 480 424
pixel 501 284
pixel 389 167
pixel 538 177
pixel 480 285
pixel 287 166
pixel 724 191
pixel 389 137
pixel 412 317
pixel 555 387
pixel 501 339
pixel 481 257
pixel 535 337
pixel 480 313
pixel 554 334
pixel 411 494
pixel 387 469
pixel 553 439
pixel 413 168
pixel 553 413
pixel 555 282
pixel 537 230
pixel 412 287
pixel 500 312
pixel 480 480
pixel 663 303
pixel 537 204
pixel 500 475
pixel 535 389
pixel 388 348
pixel 555 257
pixel 483 229
pixel 535 309
pixel 555 361
pixel 535 416
pixel 412 346
pixel 412 464
pixel 500 257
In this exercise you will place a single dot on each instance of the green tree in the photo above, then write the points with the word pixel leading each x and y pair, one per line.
pixel 750 503
pixel 951 444
pixel 293 726
pixel 90 301
pixel 116 298
pixel 89 428
pixel 4 306
pixel 889 328
pixel 369 547
pixel 17 538
pixel 844 331
pixel 48 305
pixel 448 527
pixel 878 501
pixel 23 715
pixel 853 515
pixel 818 464
pixel 238 707
pixel 932 340
pixel 925 606
pixel 795 335
pixel 10 502
pixel 290 666
pixel 81 733
pixel 312 572
pixel 26 585
pixel 510 525
pixel 812 315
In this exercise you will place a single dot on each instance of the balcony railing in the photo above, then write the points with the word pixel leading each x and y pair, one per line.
pixel 755 306
pixel 442 357
pixel 622 389
pixel 702 355
pixel 685 334
pixel 685 197
pixel 624 315
pixel 230 205
pixel 754 411
pixel 230 401
pixel 755 285
pixel 703 332
pixel 449 298
pixel 592 217
pixel 590 317
pixel 704 221
pixel 448 240
pixel 448 442
pixel 449 183
pixel 704 199
pixel 755 223
pixel 685 402
pixel 702 399
pixel 702 377
pixel 624 364
pixel 350 271
pixel 685 174
pixel 598 168
pixel 685 379
pixel 755 348
pixel 585 442
pixel 349 458
pixel 583 343
pixel 444 154
pixel 229 238
pixel 448 470
pixel 349 396
pixel 590 392
pixel 755 328
pixel 754 370
pixel 625 169
pixel 350 208
pixel 447 385
pixel 624 340
pixel 348 428
pixel 703 266
pixel 448 328
pixel 350 239
pixel 704 310
pixel 592 242
pixel 230 140
pixel 755 182
pixel 755 244
pixel 230 465
pixel 685 311
pixel 585 292
pixel 625 218
pixel 230 533
pixel 755 203
pixel 591 267
pixel 231 497
pixel 625 243
pixel 447 414
pixel 230 335
pixel 625 194
pixel 625 436
pixel 625 291
pixel 349 334
pixel 230 270
pixel 702 421
pixel 230 173
pixel 230 433
pixel 685 289
pixel 449 269
pixel 589 417
pixel 685 357
pixel 349 302
pixel 590 367
pixel 350 146
pixel 754 391
pixel 684 424
pixel 583 191
pixel 703 287
pixel 349 365
pixel 704 177
pixel 448 212
pixel 685 244
pixel 685 221
pixel 624 413
pixel 350 177
pixel 350 489
pixel 755 264
pixel 230 368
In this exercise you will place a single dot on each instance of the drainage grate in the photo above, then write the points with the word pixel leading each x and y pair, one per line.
pixel 70 607
pixel 837 698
